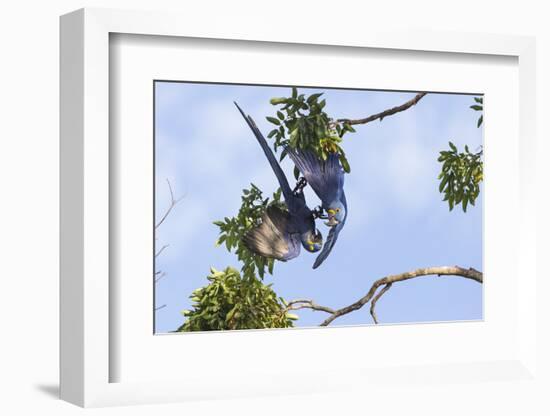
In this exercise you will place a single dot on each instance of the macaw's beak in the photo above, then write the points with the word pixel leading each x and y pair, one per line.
pixel 332 221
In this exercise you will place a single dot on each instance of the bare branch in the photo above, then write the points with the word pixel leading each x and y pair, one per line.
pixel 161 250
pixel 385 113
pixel 387 282
pixel 173 202
pixel 470 273
pixel 159 276
pixel 375 299
pixel 307 304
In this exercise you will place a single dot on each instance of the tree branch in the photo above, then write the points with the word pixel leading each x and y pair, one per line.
pixel 307 304
pixel 375 299
pixel 161 250
pixel 159 275
pixel 470 273
pixel 387 282
pixel 385 113
pixel 173 203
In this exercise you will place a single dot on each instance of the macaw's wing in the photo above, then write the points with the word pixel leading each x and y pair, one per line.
pixel 326 178
pixel 331 239
pixel 271 239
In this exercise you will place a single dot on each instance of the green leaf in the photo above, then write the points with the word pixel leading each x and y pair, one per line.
pixel 294 92
pixel 478 100
pixel 277 101
pixel 313 97
pixel 476 107
pixel 464 204
pixel 280 115
pixel 283 154
pixel 273 120
pixel 453 147
pixel 296 173
pixel 480 121
pixel 220 240
pixel 345 163
pixel 442 184
pixel 272 133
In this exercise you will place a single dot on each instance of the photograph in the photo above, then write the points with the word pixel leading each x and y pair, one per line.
pixel 288 206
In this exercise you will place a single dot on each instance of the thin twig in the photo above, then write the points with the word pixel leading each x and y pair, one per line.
pixel 385 113
pixel 161 250
pixel 159 276
pixel 173 203
pixel 307 304
pixel 375 299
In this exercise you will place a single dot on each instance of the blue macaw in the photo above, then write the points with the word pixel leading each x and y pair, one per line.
pixel 281 232
pixel 327 181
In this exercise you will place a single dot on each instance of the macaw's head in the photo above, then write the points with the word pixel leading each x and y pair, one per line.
pixel 312 240
pixel 336 213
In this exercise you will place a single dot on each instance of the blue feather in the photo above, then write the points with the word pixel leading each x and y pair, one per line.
pixel 326 178
pixel 283 182
pixel 332 237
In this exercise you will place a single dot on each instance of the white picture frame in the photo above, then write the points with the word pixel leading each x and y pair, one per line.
pixel 86 306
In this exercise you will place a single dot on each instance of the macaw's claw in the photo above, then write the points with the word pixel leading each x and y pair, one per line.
pixel 318 213
pixel 300 185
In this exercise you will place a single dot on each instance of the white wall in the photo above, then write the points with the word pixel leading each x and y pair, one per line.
pixel 29 184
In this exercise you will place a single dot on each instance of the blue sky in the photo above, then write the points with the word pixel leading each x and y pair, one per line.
pixel 396 223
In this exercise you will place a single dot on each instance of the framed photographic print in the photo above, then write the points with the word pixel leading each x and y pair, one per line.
pixel 224 215
pixel 248 224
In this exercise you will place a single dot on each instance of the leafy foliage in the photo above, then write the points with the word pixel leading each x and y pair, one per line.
pixel 478 107
pixel 231 302
pixel 460 176
pixel 301 123
pixel 232 230
pixel 461 172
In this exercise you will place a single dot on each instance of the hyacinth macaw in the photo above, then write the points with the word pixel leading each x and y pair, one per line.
pixel 327 181
pixel 281 232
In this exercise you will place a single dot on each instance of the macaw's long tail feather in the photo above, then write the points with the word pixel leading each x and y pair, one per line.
pixel 270 239
pixel 283 182
pixel 332 237
pixel 329 244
